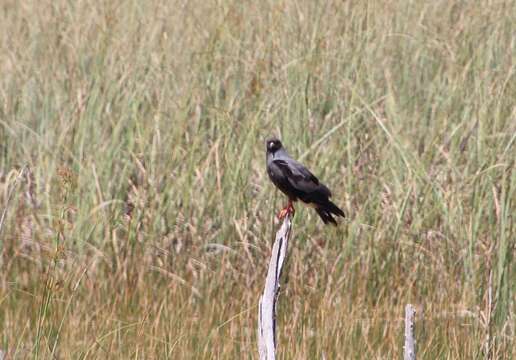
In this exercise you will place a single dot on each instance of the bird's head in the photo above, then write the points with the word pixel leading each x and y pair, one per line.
pixel 273 145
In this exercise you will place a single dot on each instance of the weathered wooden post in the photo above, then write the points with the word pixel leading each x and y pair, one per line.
pixel 269 297
pixel 410 342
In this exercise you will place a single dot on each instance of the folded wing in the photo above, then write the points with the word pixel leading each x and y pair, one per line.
pixel 306 186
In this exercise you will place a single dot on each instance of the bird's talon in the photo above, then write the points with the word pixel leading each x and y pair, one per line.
pixel 289 210
pixel 282 214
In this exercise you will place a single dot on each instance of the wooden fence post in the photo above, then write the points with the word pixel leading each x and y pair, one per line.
pixel 410 342
pixel 269 297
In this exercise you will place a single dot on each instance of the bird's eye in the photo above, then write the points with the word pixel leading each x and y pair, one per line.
pixel 271 144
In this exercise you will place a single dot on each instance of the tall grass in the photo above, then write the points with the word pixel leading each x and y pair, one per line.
pixel 139 217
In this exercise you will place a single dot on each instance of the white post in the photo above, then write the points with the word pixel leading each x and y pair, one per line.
pixel 267 305
pixel 410 342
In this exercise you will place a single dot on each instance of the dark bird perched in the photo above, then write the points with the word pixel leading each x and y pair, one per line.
pixel 298 183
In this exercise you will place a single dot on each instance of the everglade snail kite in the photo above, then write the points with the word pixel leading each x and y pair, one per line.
pixel 298 183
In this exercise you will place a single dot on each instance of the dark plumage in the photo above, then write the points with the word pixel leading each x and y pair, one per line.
pixel 298 183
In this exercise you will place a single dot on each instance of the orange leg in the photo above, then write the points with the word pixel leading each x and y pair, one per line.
pixel 288 210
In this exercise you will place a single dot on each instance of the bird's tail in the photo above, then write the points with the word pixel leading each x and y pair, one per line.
pixel 334 209
pixel 326 216
pixel 326 211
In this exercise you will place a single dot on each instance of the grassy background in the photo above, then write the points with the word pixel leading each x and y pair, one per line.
pixel 138 214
